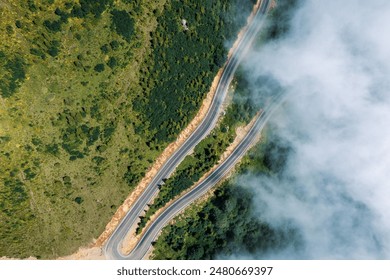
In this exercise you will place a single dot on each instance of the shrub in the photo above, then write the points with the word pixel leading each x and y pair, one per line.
pixel 123 24
pixel 99 67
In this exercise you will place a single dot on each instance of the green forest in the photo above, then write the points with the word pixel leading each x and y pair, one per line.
pixel 183 65
pixel 91 92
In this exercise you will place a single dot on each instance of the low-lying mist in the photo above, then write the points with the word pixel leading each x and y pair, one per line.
pixel 334 190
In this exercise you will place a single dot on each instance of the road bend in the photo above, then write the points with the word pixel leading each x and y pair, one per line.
pixel 151 233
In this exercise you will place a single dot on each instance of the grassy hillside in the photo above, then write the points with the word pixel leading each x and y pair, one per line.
pixel 91 91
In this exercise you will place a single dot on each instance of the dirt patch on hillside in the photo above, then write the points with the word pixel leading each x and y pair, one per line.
pixel 92 253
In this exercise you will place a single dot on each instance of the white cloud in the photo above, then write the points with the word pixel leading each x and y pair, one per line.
pixel 335 66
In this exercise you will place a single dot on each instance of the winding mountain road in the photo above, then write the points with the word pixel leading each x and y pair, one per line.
pixel 112 249
pixel 165 217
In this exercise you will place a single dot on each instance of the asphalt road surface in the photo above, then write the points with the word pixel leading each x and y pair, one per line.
pixel 112 249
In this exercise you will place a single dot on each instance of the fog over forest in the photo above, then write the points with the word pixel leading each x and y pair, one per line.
pixel 334 191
